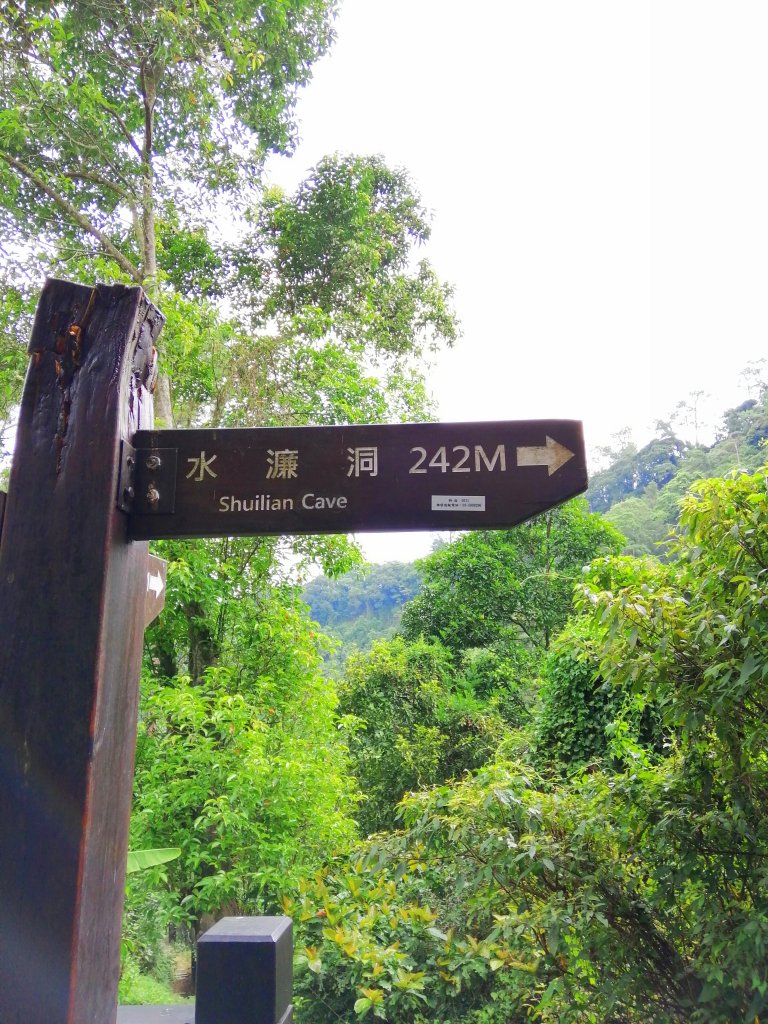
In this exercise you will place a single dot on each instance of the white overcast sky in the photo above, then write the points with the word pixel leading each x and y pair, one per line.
pixel 597 173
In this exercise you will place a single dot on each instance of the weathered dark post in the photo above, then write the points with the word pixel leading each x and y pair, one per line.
pixel 72 591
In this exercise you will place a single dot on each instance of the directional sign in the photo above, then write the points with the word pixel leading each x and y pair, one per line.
pixel 414 476
pixel 154 599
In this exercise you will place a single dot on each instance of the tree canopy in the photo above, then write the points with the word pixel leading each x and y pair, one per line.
pixel 508 585
pixel 633 892
pixel 112 109
pixel 129 131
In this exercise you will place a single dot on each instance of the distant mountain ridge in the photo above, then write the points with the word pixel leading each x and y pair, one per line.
pixel 365 604
pixel 640 491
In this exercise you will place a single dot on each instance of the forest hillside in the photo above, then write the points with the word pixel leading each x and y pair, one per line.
pixel 640 490
pixel 563 782
pixel 364 604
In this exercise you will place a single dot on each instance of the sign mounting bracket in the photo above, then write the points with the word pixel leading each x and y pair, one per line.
pixel 126 477
pixel 155 481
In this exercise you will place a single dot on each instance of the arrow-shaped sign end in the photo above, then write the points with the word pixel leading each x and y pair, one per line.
pixel 559 455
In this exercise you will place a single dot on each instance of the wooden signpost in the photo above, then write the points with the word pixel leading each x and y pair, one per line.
pixel 91 482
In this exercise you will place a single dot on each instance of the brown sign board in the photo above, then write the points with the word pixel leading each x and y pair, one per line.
pixel 410 476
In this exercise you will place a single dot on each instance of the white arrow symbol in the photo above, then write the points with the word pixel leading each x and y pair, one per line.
pixel 553 455
pixel 155 584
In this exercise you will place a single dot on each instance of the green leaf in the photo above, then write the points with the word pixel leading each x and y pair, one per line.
pixel 140 860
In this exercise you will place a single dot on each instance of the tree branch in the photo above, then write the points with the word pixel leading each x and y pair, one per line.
pixel 74 214
pixel 149 95
pixel 98 179
pixel 48 69
pixel 124 131
pixel 80 135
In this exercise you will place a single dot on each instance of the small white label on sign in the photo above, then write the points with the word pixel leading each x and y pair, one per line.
pixel 458 503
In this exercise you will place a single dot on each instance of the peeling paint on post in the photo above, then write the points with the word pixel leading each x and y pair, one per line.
pixel 72 590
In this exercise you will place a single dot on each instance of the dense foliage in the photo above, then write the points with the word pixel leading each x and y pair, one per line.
pixel 413 721
pixel 508 587
pixel 636 891
pixel 241 769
